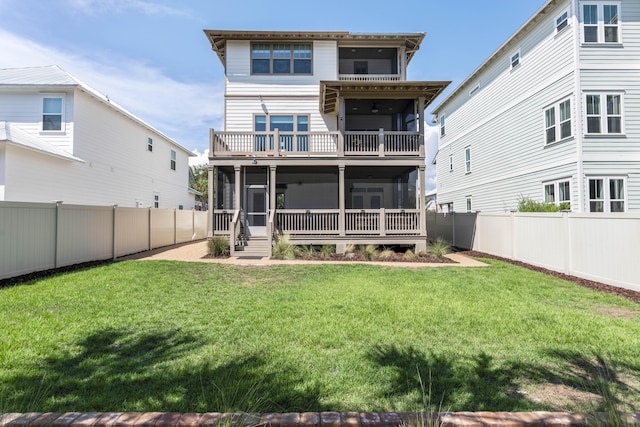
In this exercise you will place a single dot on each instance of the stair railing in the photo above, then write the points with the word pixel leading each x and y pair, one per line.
pixel 271 229
pixel 234 230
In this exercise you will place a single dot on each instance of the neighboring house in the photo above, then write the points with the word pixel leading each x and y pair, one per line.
pixel 323 139
pixel 61 140
pixel 552 115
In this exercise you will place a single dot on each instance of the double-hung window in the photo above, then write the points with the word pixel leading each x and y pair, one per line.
pixel 515 60
pixel 292 129
pixel 601 22
pixel 467 160
pixel 557 192
pixel 149 144
pixel 606 194
pixel 281 58
pixel 52 113
pixel 604 113
pixel 173 160
pixel 562 21
pixel 442 123
pixel 450 162
pixel 557 120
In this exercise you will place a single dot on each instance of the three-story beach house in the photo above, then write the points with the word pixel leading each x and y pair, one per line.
pixel 322 141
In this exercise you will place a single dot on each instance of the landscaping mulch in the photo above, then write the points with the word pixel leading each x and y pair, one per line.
pixel 625 293
pixel 397 257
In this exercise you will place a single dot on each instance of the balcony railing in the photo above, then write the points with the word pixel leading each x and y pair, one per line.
pixel 369 77
pixel 309 144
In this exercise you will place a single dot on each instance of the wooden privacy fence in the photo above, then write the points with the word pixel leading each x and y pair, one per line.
pixel 42 236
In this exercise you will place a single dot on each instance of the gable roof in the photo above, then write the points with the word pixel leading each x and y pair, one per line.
pixel 54 76
pixel 219 38
pixel 12 134
pixel 502 50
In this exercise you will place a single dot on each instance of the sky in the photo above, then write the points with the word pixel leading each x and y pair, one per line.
pixel 152 57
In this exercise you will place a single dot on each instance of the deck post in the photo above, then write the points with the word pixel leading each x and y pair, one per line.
pixel 383 222
pixel 341 204
pixel 272 187
pixel 421 122
pixel 210 209
pixel 423 199
pixel 381 142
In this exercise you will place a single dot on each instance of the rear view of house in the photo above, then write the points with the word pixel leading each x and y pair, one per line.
pixel 552 115
pixel 323 140
pixel 60 140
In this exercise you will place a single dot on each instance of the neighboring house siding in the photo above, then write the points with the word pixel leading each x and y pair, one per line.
pixel 24 109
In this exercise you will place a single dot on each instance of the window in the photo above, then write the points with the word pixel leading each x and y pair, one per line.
pixel 450 162
pixel 290 127
pixel 515 60
pixel 468 203
pixel 173 160
pixel 557 120
pixel 467 159
pixel 442 132
pixel 281 58
pixel 606 195
pixel 601 22
pixel 149 144
pixel 558 193
pixel 52 109
pixel 562 21
pixel 156 200
pixel 607 119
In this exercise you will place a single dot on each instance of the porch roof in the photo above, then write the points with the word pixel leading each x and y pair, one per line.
pixel 218 38
pixel 330 91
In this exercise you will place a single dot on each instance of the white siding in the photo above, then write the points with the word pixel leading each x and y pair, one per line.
pixel 240 112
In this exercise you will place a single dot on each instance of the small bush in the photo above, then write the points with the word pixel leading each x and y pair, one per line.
pixel 283 249
pixel 306 251
pixel 387 254
pixel 409 255
pixel 327 251
pixel 369 252
pixel 439 248
pixel 349 249
pixel 526 204
pixel 218 246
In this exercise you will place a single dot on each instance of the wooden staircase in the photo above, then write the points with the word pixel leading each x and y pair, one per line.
pixel 252 247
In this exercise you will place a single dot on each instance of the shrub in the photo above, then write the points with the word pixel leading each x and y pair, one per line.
pixel 369 252
pixel 283 249
pixel 409 255
pixel 218 246
pixel 349 249
pixel 327 251
pixel 387 254
pixel 439 248
pixel 526 204
pixel 306 251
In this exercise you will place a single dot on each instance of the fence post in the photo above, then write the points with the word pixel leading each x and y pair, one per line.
pixel 113 234
pixel 149 224
pixel 57 234
pixel 567 242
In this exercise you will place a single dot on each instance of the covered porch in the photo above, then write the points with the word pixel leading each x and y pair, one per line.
pixel 320 204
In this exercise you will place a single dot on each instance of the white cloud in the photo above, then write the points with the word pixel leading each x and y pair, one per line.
pixel 92 7
pixel 183 111
pixel 431 149
pixel 201 159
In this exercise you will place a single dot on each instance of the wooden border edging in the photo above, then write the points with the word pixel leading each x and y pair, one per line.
pixel 305 419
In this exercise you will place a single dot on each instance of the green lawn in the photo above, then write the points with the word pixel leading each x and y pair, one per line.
pixel 171 336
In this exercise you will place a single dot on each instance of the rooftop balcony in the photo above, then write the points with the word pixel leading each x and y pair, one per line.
pixel 316 144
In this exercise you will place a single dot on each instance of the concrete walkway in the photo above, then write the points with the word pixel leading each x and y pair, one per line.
pixel 197 252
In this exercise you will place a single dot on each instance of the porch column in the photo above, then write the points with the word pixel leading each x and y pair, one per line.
pixel 236 194
pixel 210 213
pixel 421 122
pixel 341 204
pixel 422 202
pixel 272 187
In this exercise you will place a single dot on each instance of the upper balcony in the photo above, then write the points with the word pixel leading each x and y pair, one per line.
pixel 316 144
pixel 370 64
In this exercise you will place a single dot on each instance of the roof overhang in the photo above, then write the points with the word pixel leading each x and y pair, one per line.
pixel 331 91
pixel 219 38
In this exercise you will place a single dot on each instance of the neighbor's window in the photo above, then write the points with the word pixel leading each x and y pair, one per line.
pixel 562 21
pixel 173 160
pixel 557 121
pixel 601 22
pixel 604 119
pixel 468 203
pixel 52 112
pixel 450 162
pixel 515 60
pixel 467 159
pixel 149 144
pixel 156 200
pixel 281 58
pixel 557 192
pixel 606 194
pixel 442 120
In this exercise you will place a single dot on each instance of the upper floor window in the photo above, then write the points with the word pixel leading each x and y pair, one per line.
pixel 601 22
pixel 281 58
pixel 557 121
pixel 562 21
pixel 156 200
pixel 442 132
pixel 604 119
pixel 287 125
pixel 149 144
pixel 468 203
pixel 606 195
pixel 467 159
pixel 515 60
pixel 52 113
pixel 173 160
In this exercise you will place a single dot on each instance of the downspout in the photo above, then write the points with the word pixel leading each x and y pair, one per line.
pixel 579 109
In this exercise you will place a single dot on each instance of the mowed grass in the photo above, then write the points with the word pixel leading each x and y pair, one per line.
pixel 171 336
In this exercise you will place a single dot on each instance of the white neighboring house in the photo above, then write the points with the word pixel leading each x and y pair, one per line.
pixel 553 114
pixel 61 140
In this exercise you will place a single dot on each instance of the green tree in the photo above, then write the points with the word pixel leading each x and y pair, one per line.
pixel 200 182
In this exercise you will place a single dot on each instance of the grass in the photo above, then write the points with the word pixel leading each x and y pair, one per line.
pixel 171 336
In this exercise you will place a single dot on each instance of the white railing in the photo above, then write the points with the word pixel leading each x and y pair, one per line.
pixel 309 144
pixel 365 222
pixel 221 221
pixel 402 221
pixel 369 77
pixel 307 222
pixel 383 222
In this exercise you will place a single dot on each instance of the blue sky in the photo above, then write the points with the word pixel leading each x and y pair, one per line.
pixel 151 56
